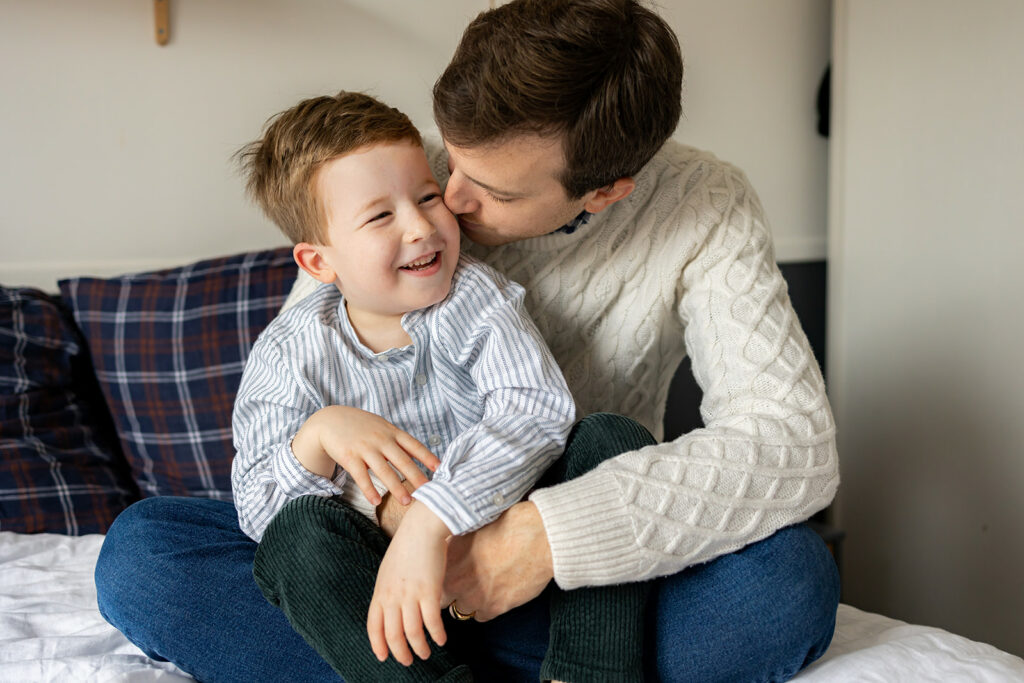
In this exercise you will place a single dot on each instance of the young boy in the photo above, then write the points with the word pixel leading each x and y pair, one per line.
pixel 404 342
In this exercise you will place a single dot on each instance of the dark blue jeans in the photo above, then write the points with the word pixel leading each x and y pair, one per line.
pixel 175 576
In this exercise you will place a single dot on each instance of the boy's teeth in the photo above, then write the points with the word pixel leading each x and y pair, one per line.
pixel 422 262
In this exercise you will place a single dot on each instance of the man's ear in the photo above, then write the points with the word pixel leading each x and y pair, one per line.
pixel 600 199
pixel 310 259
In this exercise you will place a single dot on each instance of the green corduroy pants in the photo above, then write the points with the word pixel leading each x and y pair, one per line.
pixel 318 563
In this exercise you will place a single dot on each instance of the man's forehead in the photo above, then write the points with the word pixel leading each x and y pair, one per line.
pixel 514 164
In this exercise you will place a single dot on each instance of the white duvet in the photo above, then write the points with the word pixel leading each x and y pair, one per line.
pixel 51 630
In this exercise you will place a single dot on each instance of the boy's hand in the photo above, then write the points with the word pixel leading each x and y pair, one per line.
pixel 358 442
pixel 407 596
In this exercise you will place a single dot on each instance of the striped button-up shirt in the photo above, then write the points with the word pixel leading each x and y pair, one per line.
pixel 477 386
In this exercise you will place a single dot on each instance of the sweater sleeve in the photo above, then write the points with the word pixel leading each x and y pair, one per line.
pixel 766 457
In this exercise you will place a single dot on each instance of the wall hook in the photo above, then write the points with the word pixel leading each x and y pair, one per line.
pixel 161 13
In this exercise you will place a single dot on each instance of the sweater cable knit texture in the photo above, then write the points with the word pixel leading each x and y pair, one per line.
pixel 683 265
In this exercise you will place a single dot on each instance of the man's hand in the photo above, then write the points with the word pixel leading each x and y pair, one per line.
pixel 359 442
pixel 407 595
pixel 501 566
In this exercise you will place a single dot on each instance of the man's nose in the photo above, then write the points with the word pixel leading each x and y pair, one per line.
pixel 457 196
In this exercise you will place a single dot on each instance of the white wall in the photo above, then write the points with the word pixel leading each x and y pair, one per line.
pixel 115 151
pixel 926 332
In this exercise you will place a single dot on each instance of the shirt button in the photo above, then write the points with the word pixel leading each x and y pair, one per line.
pixel 498 499
pixel 421 379
pixel 434 440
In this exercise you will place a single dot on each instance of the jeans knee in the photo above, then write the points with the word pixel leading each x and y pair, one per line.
pixel 126 546
pixel 121 547
pixel 820 586
pixel 761 613
pixel 129 519
pixel 810 557
pixel 809 581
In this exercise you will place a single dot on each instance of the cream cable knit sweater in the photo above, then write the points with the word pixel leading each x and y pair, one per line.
pixel 684 265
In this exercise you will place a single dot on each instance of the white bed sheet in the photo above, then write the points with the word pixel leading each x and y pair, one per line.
pixel 51 630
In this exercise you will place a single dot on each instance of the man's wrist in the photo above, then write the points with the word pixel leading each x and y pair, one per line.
pixel 524 519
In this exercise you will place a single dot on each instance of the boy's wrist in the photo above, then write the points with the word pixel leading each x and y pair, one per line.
pixel 306 448
pixel 423 519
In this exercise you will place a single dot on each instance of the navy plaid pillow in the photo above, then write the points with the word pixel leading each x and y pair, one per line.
pixel 60 467
pixel 169 348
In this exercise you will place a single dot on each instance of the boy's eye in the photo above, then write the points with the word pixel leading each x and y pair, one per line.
pixel 379 216
pixel 429 198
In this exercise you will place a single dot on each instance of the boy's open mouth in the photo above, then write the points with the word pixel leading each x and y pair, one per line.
pixel 423 263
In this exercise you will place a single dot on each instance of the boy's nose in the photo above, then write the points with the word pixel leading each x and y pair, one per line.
pixel 419 228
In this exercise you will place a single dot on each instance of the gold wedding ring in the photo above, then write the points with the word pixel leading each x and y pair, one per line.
pixel 457 615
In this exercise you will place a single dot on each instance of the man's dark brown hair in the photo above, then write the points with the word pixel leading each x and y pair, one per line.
pixel 605 74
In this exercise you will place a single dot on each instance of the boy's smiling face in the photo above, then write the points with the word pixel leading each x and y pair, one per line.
pixel 391 243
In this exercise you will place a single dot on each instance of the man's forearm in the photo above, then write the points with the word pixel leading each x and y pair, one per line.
pixel 390 512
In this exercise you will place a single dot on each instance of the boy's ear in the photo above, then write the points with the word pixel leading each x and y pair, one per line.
pixel 600 199
pixel 310 259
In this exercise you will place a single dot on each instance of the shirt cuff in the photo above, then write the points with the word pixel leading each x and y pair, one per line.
pixel 591 535
pixel 444 500
pixel 295 480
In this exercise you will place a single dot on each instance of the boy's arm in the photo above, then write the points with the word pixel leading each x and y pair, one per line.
pixel 271 406
pixel 288 442
pixel 407 595
pixel 528 410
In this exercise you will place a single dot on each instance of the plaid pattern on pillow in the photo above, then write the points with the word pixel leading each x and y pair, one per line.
pixel 60 467
pixel 169 348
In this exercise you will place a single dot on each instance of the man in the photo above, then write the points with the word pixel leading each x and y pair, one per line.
pixel 634 252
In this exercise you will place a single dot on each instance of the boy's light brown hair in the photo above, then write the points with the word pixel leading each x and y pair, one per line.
pixel 281 167
pixel 604 74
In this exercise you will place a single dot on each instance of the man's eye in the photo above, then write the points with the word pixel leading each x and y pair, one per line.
pixel 500 200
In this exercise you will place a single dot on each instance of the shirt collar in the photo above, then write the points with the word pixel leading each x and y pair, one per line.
pixel 576 223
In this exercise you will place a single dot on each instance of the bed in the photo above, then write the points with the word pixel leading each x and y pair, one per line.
pixel 120 388
pixel 51 630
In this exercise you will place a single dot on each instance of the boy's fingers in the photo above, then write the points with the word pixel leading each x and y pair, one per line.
pixel 362 479
pixel 394 632
pixel 389 478
pixel 417 450
pixel 433 621
pixel 375 630
pixel 414 632
pixel 404 464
